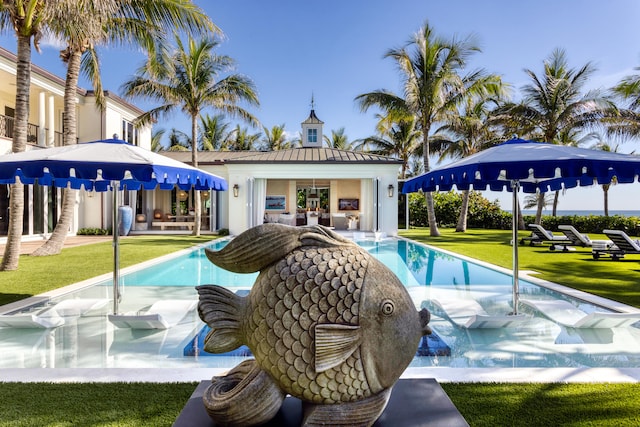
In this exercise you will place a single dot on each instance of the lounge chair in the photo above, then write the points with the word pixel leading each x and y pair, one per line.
pixel 469 314
pixel 567 314
pixel 54 315
pixel 540 235
pixel 160 315
pixel 576 238
pixel 621 245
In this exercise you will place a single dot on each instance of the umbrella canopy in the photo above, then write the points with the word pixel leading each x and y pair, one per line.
pixel 532 166
pixel 535 165
pixel 96 165
pixel 104 165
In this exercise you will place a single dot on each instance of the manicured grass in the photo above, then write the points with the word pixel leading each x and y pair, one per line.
pixel 615 280
pixel 97 404
pixel 36 275
pixel 150 405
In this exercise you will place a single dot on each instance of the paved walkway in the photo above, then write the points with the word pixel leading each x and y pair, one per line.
pixel 28 246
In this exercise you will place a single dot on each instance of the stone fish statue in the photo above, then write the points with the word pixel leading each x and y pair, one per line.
pixel 327 323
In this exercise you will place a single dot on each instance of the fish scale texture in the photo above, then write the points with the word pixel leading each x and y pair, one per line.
pixel 308 287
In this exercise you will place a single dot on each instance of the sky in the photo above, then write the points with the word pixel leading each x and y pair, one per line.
pixel 333 51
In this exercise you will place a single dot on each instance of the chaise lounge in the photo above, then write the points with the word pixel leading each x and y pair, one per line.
pixel 469 314
pixel 576 238
pixel 566 314
pixel 540 235
pixel 160 315
pixel 621 245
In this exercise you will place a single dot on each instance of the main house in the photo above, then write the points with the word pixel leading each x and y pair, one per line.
pixel 299 186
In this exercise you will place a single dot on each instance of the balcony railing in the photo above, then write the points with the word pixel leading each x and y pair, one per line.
pixel 6 129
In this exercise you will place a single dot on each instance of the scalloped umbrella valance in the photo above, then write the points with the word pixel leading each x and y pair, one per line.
pixel 101 166
pixel 531 166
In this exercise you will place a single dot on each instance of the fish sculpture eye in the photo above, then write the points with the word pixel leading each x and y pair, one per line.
pixel 387 307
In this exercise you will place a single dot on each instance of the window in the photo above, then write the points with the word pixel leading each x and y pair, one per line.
pixel 312 135
pixel 129 133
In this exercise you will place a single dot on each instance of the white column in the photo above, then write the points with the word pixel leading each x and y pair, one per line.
pixel 51 121
pixel 42 119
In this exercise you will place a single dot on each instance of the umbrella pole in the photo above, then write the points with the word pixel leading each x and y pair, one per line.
pixel 116 248
pixel 515 185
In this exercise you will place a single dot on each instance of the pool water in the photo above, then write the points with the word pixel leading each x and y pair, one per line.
pixel 91 341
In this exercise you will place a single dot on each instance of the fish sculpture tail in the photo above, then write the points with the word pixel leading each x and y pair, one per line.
pixel 246 396
pixel 263 245
pixel 223 311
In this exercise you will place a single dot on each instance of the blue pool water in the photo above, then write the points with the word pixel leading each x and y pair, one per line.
pixel 91 341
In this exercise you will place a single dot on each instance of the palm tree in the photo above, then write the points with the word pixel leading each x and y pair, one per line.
pixel 338 140
pixel 242 140
pixel 215 132
pixel 179 141
pixel 400 139
pixel 187 79
pixel 275 138
pixel 156 140
pixel 85 25
pixel 465 134
pixel 430 68
pixel 26 19
pixel 554 108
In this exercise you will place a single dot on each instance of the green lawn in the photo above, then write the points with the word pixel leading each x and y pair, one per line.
pixel 616 280
pixel 36 275
pixel 482 404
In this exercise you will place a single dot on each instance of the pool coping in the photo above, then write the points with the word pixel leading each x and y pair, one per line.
pixel 441 374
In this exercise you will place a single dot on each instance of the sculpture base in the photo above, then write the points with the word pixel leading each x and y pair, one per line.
pixel 413 403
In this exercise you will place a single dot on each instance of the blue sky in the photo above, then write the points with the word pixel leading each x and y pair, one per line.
pixel 334 50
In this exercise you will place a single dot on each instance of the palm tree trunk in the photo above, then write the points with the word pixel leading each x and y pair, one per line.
pixel 431 212
pixel 555 203
pixel 56 241
pixel 521 225
pixel 605 190
pixel 197 205
pixel 16 203
pixel 539 208
pixel 464 211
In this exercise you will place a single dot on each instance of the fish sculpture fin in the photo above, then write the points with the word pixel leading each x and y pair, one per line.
pixel 223 311
pixel 334 344
pixel 261 246
pixel 360 413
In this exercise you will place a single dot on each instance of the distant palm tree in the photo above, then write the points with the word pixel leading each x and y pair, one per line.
pixel 179 141
pixel 462 135
pixel 156 140
pixel 275 138
pixel 242 140
pixel 215 133
pixel 400 140
pixel 627 90
pixel 430 68
pixel 187 79
pixel 338 140
pixel 554 108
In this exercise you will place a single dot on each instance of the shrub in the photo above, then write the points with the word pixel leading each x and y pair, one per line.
pixel 92 232
pixel 486 214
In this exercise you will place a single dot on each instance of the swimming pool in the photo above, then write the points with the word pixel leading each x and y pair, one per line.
pixel 91 341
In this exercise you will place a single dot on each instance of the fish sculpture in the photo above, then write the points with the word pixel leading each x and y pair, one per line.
pixel 326 322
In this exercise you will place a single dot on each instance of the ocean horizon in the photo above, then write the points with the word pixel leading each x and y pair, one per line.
pixel 599 212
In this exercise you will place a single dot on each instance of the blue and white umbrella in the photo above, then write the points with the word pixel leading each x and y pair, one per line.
pixel 530 166
pixel 105 165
